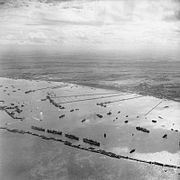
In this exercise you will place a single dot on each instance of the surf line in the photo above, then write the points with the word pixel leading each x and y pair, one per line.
pixel 98 151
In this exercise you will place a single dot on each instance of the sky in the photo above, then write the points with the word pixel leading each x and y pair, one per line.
pixel 84 25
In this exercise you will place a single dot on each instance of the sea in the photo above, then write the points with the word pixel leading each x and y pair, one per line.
pixel 153 77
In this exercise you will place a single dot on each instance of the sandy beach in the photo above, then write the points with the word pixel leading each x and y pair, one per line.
pixel 138 128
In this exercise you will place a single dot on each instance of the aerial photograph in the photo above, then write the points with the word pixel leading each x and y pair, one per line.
pixel 89 89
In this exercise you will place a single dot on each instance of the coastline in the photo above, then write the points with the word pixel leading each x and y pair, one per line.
pixel 112 86
pixel 134 124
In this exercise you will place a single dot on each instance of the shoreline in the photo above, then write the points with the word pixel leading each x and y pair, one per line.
pixel 99 86
pixel 110 87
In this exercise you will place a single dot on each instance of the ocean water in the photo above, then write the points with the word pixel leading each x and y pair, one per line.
pixel 159 78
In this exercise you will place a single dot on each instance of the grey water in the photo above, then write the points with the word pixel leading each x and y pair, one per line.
pixel 159 78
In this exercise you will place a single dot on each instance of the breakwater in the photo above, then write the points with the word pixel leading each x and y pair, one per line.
pixel 91 149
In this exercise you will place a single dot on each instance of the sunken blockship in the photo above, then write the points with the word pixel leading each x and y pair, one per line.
pixel 67 143
pixel 38 128
pixel 142 129
pixel 70 136
pixel 30 91
pixel 98 151
pixel 91 142
pixel 54 132
pixel 99 115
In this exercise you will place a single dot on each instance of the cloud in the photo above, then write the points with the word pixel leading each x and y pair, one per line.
pixel 117 24
pixel 104 12
pixel 111 11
